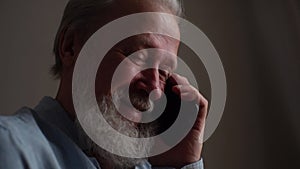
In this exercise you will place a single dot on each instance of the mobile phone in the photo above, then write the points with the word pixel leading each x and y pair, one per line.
pixel 174 105
pixel 172 109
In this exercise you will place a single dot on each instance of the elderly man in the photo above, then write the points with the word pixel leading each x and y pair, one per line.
pixel 50 135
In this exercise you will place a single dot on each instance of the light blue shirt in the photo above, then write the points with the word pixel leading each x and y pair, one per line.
pixel 46 138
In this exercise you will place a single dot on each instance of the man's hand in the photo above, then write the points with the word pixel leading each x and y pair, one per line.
pixel 189 149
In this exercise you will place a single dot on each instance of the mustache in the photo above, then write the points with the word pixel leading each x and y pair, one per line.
pixel 138 99
pixel 141 101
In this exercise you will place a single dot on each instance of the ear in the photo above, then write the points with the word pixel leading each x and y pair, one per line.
pixel 69 47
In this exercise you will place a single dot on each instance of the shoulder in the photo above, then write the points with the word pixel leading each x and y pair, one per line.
pixel 19 130
pixel 27 141
pixel 16 135
pixel 21 123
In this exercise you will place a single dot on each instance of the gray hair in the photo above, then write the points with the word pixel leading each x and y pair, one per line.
pixel 78 13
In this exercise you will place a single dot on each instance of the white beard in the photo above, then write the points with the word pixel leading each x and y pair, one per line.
pixel 125 127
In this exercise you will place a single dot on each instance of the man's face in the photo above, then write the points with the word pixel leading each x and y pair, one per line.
pixel 136 58
pixel 145 80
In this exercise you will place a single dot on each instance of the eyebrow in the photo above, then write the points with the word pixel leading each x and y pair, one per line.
pixel 147 41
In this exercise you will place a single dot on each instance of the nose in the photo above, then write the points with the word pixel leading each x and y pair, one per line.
pixel 153 84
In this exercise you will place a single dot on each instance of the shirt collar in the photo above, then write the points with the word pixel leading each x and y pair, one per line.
pixel 52 112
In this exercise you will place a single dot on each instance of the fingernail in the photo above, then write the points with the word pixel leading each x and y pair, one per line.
pixel 176 89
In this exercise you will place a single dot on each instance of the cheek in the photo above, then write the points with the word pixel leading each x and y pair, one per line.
pixel 106 71
pixel 125 74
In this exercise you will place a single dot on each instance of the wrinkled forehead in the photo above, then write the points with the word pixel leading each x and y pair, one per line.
pixel 149 40
pixel 149 30
pixel 151 22
pixel 159 23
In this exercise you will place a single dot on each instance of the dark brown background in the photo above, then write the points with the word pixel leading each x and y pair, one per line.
pixel 258 42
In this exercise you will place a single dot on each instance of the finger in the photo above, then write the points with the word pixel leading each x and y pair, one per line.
pixel 202 114
pixel 180 80
pixel 190 93
pixel 188 97
pixel 187 92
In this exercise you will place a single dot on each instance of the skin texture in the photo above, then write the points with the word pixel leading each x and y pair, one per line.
pixel 187 151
